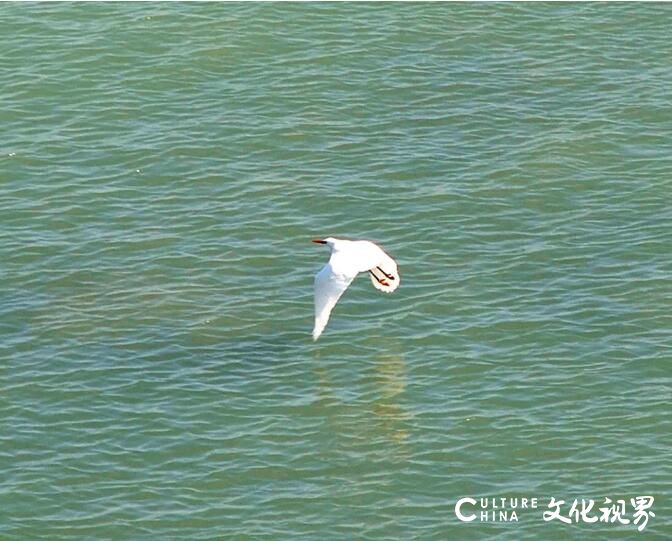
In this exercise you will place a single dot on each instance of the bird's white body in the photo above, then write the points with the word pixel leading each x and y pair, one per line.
pixel 348 259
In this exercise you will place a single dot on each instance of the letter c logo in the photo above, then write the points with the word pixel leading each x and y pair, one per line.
pixel 458 512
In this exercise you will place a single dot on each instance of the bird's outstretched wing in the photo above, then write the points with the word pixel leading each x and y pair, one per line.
pixel 328 289
pixel 385 274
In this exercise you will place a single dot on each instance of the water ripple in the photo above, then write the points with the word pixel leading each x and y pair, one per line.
pixel 164 167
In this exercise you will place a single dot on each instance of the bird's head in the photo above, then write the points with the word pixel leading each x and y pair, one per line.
pixel 330 241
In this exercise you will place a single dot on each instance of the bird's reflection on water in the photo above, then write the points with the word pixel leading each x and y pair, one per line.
pixel 378 411
pixel 360 403
pixel 391 377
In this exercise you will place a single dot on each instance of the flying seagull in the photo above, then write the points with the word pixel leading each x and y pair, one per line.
pixel 348 259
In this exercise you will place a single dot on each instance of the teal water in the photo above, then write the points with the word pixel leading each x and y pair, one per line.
pixel 162 170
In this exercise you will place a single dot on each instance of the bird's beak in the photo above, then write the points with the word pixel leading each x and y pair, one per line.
pixel 318 241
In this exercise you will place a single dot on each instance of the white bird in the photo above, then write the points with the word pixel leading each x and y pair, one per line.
pixel 348 259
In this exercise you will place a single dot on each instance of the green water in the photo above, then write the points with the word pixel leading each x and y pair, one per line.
pixel 162 170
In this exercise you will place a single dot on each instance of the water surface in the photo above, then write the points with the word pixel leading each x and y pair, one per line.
pixel 162 169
